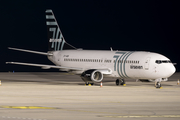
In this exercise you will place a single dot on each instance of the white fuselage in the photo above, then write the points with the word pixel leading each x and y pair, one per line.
pixel 123 64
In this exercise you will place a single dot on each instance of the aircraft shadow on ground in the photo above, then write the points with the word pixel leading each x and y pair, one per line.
pixel 57 78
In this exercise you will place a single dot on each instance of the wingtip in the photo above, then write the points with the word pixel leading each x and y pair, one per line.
pixel 9 62
pixel 11 48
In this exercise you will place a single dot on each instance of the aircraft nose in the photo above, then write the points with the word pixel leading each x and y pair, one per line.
pixel 172 70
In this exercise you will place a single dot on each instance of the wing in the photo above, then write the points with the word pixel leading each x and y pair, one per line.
pixel 44 66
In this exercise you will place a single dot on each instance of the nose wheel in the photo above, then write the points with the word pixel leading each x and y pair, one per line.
pixel 158 85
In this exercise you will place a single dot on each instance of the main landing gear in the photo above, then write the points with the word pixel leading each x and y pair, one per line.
pixel 120 82
pixel 89 84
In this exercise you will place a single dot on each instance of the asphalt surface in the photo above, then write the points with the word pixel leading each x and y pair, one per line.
pixel 62 96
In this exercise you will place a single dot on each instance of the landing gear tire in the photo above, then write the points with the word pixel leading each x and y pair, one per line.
pixel 158 85
pixel 122 82
pixel 117 82
pixel 89 83
pixel 92 83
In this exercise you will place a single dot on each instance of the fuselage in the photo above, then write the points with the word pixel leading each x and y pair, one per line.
pixel 123 64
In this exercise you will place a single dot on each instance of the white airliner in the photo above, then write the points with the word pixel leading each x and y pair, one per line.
pixel 94 65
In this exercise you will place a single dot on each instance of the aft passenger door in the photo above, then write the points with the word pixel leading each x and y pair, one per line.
pixel 146 64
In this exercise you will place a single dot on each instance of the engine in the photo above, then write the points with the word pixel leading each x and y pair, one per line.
pixel 92 76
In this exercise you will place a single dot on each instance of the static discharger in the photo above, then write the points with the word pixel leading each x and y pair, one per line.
pixel 101 84
pixel 178 82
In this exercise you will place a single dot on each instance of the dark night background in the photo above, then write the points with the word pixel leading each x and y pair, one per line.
pixel 89 24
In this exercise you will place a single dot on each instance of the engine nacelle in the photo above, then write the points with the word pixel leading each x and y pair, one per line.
pixel 92 76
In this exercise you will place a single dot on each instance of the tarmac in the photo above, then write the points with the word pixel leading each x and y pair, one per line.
pixel 63 96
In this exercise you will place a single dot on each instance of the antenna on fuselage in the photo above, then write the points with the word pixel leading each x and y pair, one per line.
pixel 111 48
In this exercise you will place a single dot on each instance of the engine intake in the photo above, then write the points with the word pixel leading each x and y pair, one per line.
pixel 92 76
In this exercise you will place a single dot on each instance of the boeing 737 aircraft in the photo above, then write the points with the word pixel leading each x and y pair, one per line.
pixel 94 65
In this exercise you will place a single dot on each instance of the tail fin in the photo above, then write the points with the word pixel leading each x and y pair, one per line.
pixel 55 37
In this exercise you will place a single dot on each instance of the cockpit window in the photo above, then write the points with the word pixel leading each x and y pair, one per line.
pixel 162 61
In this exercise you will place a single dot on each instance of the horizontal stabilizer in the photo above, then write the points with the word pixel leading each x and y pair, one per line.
pixel 30 51
pixel 44 66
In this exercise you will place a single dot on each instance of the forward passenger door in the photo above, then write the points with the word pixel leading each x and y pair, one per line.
pixel 146 64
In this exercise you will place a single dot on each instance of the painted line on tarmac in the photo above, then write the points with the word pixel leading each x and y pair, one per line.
pixel 145 116
pixel 84 111
pixel 20 118
pixel 36 107
pixel 27 107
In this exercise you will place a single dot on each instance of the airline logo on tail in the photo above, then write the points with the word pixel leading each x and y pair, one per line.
pixel 56 39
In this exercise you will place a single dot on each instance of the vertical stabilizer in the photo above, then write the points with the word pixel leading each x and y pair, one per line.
pixel 55 37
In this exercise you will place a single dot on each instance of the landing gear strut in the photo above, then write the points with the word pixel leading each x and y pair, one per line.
pixel 120 82
pixel 158 83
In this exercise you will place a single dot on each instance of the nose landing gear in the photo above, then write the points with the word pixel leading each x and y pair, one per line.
pixel 158 83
